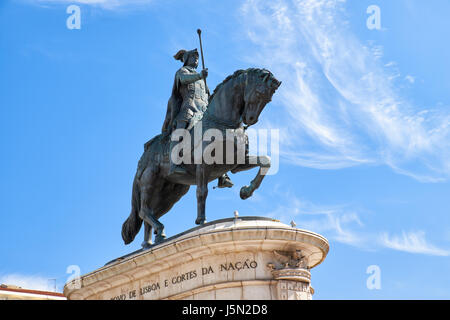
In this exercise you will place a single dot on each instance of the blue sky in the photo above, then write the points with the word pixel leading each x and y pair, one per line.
pixel 363 117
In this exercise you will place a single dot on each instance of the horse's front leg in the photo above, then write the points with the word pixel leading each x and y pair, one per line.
pixel 263 162
pixel 202 193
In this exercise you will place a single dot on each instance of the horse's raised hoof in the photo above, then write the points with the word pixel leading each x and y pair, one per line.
pixel 200 221
pixel 245 193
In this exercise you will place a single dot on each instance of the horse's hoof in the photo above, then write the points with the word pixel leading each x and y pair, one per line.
pixel 200 221
pixel 245 193
pixel 159 238
pixel 146 245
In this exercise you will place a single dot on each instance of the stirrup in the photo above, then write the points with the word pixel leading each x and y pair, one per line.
pixel 224 182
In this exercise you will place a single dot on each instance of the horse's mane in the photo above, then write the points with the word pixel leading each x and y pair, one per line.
pixel 236 74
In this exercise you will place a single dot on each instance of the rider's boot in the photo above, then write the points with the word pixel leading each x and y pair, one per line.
pixel 224 181
pixel 175 170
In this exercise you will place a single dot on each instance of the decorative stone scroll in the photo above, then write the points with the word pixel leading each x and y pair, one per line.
pixel 293 275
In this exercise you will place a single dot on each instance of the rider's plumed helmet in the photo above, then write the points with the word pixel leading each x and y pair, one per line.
pixel 183 55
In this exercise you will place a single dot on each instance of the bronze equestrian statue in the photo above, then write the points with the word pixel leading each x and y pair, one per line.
pixel 188 102
pixel 159 183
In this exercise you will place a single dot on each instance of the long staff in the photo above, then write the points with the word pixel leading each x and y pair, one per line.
pixel 201 51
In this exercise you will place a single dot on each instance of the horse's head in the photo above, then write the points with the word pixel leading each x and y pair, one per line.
pixel 260 86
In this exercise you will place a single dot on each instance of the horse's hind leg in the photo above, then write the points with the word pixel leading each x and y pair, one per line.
pixel 149 186
pixel 149 217
pixel 147 235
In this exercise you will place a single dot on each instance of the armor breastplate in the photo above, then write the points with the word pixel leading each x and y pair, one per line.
pixel 195 98
pixel 200 91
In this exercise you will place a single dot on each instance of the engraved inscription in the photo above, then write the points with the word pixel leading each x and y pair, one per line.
pixel 187 276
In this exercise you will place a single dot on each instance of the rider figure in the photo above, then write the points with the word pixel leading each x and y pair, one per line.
pixel 190 96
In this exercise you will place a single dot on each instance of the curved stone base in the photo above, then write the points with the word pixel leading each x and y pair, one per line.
pixel 234 259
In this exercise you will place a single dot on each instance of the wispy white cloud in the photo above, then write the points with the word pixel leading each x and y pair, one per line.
pixel 338 222
pixel 105 4
pixel 413 242
pixel 344 223
pixel 341 104
pixel 410 78
pixel 33 282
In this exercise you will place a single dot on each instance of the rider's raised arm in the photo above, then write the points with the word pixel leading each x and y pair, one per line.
pixel 186 77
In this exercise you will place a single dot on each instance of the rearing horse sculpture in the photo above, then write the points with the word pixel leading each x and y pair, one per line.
pixel 240 98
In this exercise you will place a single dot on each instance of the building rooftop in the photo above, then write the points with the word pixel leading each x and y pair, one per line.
pixel 12 292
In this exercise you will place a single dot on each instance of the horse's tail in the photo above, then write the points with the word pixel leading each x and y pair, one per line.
pixel 131 226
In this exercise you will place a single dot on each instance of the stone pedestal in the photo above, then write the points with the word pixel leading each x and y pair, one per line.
pixel 246 258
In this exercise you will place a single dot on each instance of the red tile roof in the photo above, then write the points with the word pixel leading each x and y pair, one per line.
pixel 48 293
